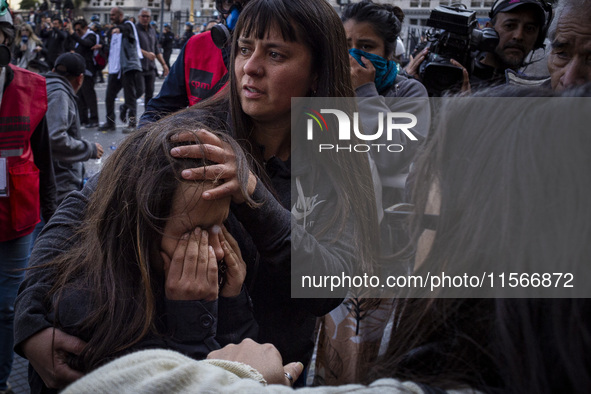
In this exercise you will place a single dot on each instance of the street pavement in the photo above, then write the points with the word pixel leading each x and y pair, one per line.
pixel 110 140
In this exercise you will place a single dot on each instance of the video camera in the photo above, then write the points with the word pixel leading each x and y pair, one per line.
pixel 454 36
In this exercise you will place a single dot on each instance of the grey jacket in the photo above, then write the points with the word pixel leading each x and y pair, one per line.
pixel 68 148
pixel 405 95
pixel 130 59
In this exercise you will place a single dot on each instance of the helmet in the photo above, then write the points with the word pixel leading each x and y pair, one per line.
pixel 5 16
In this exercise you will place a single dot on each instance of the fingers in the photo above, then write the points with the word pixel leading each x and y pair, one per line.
pixel 63 374
pixel 68 343
pixel 235 272
pixel 211 152
pixel 465 76
pixel 48 351
pixel 294 370
pixel 231 240
pixel 175 268
pixel 212 172
pixel 204 136
pixel 226 189
pixel 193 254
pixel 215 242
pixel 368 64
pixel 192 272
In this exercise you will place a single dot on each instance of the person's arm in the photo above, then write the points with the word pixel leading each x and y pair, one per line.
pixel 235 311
pixel 405 96
pixel 289 249
pixel 248 367
pixel 40 144
pixel 165 69
pixel 88 42
pixel 62 34
pixel 60 118
pixel 172 96
pixel 33 334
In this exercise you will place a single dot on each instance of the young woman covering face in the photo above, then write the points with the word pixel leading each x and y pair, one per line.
pixel 144 268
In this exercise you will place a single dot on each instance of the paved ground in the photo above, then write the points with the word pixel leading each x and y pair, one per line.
pixel 109 140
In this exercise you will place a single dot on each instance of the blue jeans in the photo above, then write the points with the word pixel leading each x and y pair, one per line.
pixel 14 255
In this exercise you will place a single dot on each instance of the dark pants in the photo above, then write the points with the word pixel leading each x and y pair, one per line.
pixel 114 85
pixel 87 101
pixel 146 83
pixel 166 54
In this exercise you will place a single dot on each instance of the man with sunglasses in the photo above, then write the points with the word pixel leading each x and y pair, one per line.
pixel 200 71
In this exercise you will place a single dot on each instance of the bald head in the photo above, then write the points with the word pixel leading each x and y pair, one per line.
pixel 116 15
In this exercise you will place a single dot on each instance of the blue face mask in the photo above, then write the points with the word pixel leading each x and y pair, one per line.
pixel 386 70
pixel 233 16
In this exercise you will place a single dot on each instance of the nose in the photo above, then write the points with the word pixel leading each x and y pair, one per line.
pixel 254 65
pixel 518 33
pixel 576 72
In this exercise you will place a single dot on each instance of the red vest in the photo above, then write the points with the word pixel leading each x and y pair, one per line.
pixel 204 68
pixel 24 104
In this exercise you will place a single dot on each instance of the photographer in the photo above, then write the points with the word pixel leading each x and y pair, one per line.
pixel 54 38
pixel 521 27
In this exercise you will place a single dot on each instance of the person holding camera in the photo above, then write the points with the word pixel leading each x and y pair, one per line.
pixel 521 27
pixel 55 39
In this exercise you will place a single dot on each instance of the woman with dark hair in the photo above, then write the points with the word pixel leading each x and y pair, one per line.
pixel 329 227
pixel 142 273
pixel 506 189
pixel 326 224
pixel 372 30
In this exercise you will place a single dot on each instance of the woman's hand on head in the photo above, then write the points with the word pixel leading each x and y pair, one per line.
pixel 361 75
pixel 192 273
pixel 220 152
pixel 264 358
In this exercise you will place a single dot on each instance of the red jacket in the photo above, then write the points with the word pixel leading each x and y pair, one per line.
pixel 24 104
pixel 204 68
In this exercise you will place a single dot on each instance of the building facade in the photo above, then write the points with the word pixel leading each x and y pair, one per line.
pixel 178 12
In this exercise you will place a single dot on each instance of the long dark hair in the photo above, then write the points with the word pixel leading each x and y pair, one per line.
pixel 511 196
pixel 111 266
pixel 384 19
pixel 317 25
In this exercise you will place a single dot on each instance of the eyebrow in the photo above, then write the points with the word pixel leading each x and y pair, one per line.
pixel 269 44
pixel 558 44
pixel 367 41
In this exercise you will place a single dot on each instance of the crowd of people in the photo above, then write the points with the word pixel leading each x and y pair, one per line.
pixel 174 269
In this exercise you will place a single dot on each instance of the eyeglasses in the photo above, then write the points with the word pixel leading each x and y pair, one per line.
pixel 404 211
pixel 145 16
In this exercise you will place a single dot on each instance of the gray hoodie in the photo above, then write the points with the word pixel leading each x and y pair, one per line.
pixel 68 148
